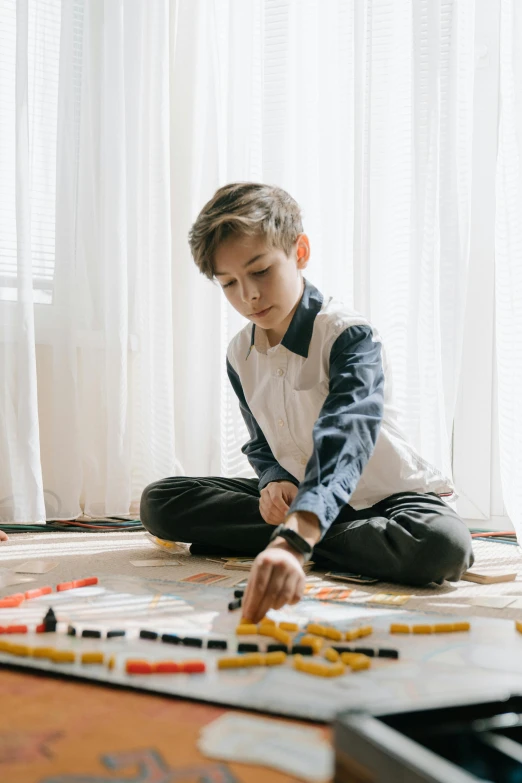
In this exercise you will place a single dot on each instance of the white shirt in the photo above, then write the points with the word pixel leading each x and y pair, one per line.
pixel 320 413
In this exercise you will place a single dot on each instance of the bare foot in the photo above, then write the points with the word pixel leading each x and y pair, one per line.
pixel 3 536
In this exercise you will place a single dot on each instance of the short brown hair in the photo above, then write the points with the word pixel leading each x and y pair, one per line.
pixel 244 209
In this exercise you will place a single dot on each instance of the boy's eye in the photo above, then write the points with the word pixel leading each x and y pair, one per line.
pixel 262 272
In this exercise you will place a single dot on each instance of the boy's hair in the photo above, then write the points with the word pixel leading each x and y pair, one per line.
pixel 244 209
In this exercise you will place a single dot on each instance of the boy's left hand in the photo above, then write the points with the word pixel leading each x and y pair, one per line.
pixel 277 578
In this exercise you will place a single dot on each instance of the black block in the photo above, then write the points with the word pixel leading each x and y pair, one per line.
pixel 341 649
pixel 171 638
pixel 234 605
pixel 217 644
pixel 239 593
pixel 148 635
pixel 247 647
pixel 87 633
pixel 71 631
pixel 388 654
pixel 369 651
pixel 277 648
pixel 112 634
pixel 302 649
pixel 190 641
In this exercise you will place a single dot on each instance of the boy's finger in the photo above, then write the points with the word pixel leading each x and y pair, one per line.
pixel 273 589
pixel 255 591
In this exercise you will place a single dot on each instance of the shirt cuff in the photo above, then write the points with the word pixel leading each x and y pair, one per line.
pixel 276 473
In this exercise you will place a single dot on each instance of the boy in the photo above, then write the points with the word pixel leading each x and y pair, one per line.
pixel 334 473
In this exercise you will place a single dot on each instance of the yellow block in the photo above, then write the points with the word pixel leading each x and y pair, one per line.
pixel 333 633
pixel 315 642
pixel 399 628
pixel 365 630
pixel 111 662
pixel 293 627
pixel 62 656
pixel 422 629
pixel 443 628
pixel 246 628
pixel 332 655
pixel 20 649
pixel 282 636
pixel 92 657
pixel 242 661
pixel 336 669
pixel 43 652
pixel 267 620
pixel 352 634
pixel 319 630
pixel 348 657
pixel 229 663
pixel 460 626
pixel 518 626
pixel 359 663
pixel 317 668
pixel 5 646
pixel 275 658
pixel 266 629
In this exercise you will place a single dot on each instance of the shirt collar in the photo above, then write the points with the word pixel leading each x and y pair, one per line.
pixel 299 333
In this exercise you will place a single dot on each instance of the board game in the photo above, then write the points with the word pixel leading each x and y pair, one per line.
pixel 432 670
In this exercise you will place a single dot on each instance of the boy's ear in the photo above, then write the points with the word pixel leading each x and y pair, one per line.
pixel 302 251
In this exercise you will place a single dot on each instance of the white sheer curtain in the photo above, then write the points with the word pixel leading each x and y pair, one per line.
pixel 362 109
pixel 86 359
pixel 508 260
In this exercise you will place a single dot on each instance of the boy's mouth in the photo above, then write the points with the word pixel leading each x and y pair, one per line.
pixel 261 313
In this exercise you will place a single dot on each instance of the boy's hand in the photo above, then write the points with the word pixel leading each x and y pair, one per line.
pixel 276 498
pixel 277 578
pixel 3 536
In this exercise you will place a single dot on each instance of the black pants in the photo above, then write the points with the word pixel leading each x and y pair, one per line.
pixel 408 537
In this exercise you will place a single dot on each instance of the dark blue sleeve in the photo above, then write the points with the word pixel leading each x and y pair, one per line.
pixel 347 427
pixel 257 450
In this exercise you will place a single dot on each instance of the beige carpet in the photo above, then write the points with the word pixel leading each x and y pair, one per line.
pixel 104 554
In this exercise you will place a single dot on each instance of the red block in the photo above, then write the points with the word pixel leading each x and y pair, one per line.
pixel 138 667
pixel 166 667
pixel 16 629
pixel 64 586
pixel 40 628
pixel 90 580
pixel 9 603
pixel 193 667
pixel 38 591
pixel 17 596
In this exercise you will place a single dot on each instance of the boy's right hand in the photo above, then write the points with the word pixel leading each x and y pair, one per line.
pixel 276 499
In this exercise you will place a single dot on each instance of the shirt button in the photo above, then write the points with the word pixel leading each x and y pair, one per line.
pixel 281 423
pixel 279 371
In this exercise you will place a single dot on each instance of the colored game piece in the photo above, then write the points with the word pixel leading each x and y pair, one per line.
pixel 171 638
pixel 88 633
pixel 166 667
pixel 316 642
pixel 365 630
pixel 138 667
pixel 234 604
pixel 333 633
pixel 239 593
pixel 92 657
pixel 386 653
pixel 274 658
pixel 302 649
pixel 114 634
pixel 21 649
pixel 266 629
pixel 331 655
pixel 42 652
pixel 460 626
pixel 230 662
pixel 62 656
pixel 9 603
pixel 422 629
pixel 443 628
pixel 40 628
pixel 315 628
pixel 111 662
pixel 71 631
pixel 369 651
pixel 267 621
pixel 277 648
pixel 217 644
pixel 351 634
pixel 399 628
pixel 144 634
pixel 292 627
pixel 16 629
pixel 193 667
pixel 190 641
pixel 64 586
pixel 317 668
pixel 246 628
pixel 5 646
pixel 38 592
pixel 357 662
pixel 50 621
pixel 90 580
pixel 518 626
pixel 246 647
pixel 283 637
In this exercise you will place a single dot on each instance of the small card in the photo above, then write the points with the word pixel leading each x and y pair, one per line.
pixel 494 601
pixel 489 578
pixel 347 576
pixel 204 578
pixel 36 567
pixel 160 561
pixel 388 599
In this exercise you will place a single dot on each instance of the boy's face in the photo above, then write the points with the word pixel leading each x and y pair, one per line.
pixel 272 282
